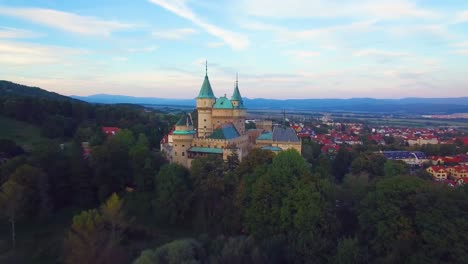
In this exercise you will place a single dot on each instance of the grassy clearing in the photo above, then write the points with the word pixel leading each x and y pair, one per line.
pixel 22 133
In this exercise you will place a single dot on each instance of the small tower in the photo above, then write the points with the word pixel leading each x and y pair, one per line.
pixel 182 139
pixel 236 97
pixel 239 112
pixel 205 101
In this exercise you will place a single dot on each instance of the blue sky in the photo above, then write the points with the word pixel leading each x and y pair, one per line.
pixel 281 49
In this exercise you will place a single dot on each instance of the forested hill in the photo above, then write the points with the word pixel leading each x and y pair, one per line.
pixel 8 88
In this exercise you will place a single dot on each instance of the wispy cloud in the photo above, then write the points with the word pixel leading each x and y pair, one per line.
pixel 382 9
pixel 379 53
pixel 143 50
pixel 15 33
pixel 179 7
pixel 17 53
pixel 461 51
pixel 178 33
pixel 382 56
pixel 461 17
pixel 215 44
pixel 69 22
pixel 303 54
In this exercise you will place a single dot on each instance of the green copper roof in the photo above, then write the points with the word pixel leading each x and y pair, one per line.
pixel 184 132
pixel 266 136
pixel 223 103
pixel 271 148
pixel 206 150
pixel 236 96
pixel 227 131
pixel 206 91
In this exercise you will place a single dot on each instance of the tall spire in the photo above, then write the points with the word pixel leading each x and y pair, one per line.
pixel 236 96
pixel 206 91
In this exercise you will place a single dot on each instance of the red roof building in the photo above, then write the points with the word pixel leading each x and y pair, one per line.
pixel 110 131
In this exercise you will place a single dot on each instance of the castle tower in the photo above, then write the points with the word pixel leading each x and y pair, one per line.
pixel 182 139
pixel 239 112
pixel 205 101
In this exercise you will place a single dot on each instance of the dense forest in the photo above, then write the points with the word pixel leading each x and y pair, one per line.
pixel 123 203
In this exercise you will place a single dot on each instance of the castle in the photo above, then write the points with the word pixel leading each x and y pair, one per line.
pixel 221 130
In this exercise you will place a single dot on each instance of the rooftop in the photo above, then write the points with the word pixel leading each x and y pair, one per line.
pixel 285 134
pixel 206 150
pixel 226 131
pixel 206 91
pixel 223 103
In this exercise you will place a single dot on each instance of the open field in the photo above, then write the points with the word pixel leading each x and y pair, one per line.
pixel 20 132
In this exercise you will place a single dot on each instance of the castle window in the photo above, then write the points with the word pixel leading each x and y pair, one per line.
pixel 183 154
pixel 175 153
pixel 204 120
pixel 204 126
pixel 183 145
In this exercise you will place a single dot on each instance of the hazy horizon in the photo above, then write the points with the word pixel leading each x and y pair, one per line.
pixel 314 49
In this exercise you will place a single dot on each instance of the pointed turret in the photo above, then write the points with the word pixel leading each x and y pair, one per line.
pixel 236 96
pixel 206 91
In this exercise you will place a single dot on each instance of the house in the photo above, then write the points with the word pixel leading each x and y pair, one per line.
pixel 457 172
pixel 439 173
pixel 330 149
pixel 110 131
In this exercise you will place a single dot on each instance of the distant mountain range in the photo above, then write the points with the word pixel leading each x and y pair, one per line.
pixel 404 105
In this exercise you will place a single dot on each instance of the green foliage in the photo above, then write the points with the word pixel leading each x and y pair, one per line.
pixel 348 252
pixel 209 192
pixel 311 151
pixel 399 227
pixel 36 189
pixel 341 163
pixel 12 202
pixel 372 163
pixel 89 239
pixel 173 193
pixel 394 168
pixel 187 251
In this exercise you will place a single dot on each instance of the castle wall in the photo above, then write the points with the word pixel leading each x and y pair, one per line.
pixel 180 146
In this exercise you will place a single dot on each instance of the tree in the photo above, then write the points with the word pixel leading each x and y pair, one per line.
pixel 207 179
pixel 173 193
pixel 233 160
pixel 36 189
pixel 89 239
pixel 348 252
pixel 187 251
pixel 394 168
pixel 112 212
pixel 341 163
pixel 12 202
pixel 142 164
pixel 86 241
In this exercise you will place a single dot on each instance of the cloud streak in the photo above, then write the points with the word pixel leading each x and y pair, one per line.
pixel 15 33
pixel 179 7
pixel 65 21
pixel 25 54
pixel 382 9
pixel 178 33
